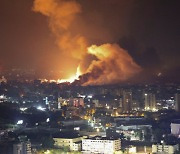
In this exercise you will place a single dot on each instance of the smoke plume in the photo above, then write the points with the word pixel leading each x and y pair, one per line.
pixel 103 64
pixel 113 65
pixel 61 14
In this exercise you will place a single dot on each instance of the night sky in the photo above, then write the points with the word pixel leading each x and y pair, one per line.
pixel 149 30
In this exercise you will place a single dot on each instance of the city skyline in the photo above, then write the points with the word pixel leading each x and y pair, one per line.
pixel 89 76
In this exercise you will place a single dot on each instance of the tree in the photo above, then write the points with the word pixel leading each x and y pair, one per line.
pixel 157 133
pixel 47 141
pixel 66 149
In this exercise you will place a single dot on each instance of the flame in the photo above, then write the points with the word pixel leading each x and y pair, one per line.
pixel 72 78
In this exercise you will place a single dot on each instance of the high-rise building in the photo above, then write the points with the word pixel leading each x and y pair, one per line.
pixel 60 102
pixel 46 101
pixel 96 102
pixel 127 101
pixel 22 148
pixel 77 102
pixel 177 102
pixel 150 101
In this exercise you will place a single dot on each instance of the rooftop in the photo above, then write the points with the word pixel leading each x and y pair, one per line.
pixel 102 138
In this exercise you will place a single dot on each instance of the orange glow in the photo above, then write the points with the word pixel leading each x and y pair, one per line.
pixel 113 64
pixel 72 78
pixel 104 64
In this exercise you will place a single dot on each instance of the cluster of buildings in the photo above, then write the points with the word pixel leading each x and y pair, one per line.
pixel 96 144
pixel 108 119
pixel 163 148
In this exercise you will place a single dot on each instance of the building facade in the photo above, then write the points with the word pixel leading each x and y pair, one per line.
pixel 22 148
pixel 101 145
pixel 150 101
pixel 74 144
pixel 177 102
pixel 165 149
pixel 127 101
pixel 175 128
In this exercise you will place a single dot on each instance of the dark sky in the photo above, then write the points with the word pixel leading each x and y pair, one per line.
pixel 149 30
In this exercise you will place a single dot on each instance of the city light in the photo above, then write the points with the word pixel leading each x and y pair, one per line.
pixel 47 120
pixel 47 152
pixel 20 122
pixel 90 77
pixel 89 96
pixel 108 107
pixel 77 128
pixel 41 108
pixel 23 109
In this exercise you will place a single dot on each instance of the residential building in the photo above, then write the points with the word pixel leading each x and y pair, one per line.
pixel 150 102
pixel 22 148
pixel 177 102
pixel 74 144
pixel 101 145
pixel 127 101
pixel 164 149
